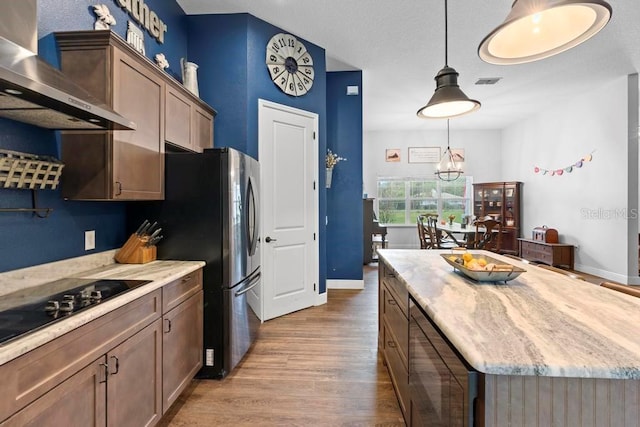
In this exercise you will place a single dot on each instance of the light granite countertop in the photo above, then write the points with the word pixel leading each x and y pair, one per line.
pixel 541 323
pixel 97 266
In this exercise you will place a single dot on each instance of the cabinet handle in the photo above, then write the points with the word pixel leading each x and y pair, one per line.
pixel 186 279
pixel 391 344
pixel 117 365
pixel 119 188
pixel 106 372
pixel 391 301
pixel 167 323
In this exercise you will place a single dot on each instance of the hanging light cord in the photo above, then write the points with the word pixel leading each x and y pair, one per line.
pixel 446 37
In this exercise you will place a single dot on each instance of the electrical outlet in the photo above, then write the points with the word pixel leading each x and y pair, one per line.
pixel 89 240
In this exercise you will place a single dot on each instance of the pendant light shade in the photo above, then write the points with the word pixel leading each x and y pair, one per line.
pixel 448 99
pixel 448 169
pixel 538 29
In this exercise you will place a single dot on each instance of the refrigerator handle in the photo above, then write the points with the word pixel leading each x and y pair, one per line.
pixel 252 284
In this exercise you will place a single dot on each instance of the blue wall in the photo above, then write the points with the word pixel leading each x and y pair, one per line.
pixel 27 240
pixel 344 198
pixel 231 50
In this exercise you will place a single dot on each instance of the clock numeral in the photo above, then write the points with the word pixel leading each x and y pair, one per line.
pixel 273 58
pixel 283 80
pixel 282 42
pixel 275 47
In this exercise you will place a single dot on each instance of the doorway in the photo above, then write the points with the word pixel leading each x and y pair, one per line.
pixel 288 151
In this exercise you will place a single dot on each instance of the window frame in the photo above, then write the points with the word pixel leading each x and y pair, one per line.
pixel 408 198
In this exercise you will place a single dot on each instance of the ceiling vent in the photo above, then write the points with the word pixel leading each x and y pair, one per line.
pixel 488 80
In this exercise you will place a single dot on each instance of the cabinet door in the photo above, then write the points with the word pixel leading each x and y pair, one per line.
pixel 138 156
pixel 78 401
pixel 202 129
pixel 182 348
pixel 134 387
pixel 177 125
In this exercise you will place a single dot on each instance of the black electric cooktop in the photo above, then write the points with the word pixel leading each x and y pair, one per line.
pixel 23 312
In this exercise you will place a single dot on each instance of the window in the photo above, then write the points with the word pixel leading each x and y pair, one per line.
pixel 401 200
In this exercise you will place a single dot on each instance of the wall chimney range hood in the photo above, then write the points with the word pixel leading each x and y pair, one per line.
pixel 33 91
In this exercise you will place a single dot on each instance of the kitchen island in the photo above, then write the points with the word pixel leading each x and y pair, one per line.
pixel 548 349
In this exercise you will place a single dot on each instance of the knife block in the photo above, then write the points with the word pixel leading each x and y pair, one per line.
pixel 135 251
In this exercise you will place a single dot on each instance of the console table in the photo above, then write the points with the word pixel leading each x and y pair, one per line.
pixel 556 254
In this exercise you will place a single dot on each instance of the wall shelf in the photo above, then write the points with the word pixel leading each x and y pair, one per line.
pixel 34 209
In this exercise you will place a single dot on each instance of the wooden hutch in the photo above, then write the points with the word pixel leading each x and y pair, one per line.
pixel 500 200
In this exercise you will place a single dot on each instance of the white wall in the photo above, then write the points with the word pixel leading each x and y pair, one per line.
pixel 590 207
pixel 483 160
pixel 594 207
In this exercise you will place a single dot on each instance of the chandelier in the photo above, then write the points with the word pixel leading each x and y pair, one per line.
pixel 447 169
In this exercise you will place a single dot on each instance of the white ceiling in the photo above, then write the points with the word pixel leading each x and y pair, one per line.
pixel 399 46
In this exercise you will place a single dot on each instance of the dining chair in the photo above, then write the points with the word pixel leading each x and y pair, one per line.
pixel 630 290
pixel 440 243
pixel 491 237
pixel 561 271
pixel 426 242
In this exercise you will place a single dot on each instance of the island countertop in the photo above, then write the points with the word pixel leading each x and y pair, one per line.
pixel 539 324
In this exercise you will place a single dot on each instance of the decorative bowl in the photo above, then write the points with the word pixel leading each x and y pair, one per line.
pixel 502 272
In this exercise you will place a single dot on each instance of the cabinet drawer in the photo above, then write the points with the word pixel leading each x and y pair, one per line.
pixel 33 374
pixel 397 371
pixel 180 290
pixel 397 323
pixel 397 289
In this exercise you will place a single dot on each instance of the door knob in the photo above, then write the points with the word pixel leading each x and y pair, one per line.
pixel 269 239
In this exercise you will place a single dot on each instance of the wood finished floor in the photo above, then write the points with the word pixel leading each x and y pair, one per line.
pixel 315 367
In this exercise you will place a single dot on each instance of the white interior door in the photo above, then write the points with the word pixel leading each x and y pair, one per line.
pixel 289 205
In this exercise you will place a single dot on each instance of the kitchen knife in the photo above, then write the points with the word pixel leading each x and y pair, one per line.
pixel 145 230
pixel 155 233
pixel 154 240
pixel 150 229
pixel 139 230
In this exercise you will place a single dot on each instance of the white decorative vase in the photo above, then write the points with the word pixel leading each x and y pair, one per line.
pixel 329 176
pixel 190 76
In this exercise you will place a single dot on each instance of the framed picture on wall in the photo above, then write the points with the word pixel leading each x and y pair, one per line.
pixel 424 154
pixel 392 155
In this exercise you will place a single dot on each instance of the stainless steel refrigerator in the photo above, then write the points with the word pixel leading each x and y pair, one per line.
pixel 210 213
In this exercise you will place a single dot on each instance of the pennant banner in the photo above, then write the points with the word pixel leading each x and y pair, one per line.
pixel 566 169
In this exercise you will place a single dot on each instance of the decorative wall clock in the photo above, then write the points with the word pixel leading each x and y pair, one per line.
pixel 290 65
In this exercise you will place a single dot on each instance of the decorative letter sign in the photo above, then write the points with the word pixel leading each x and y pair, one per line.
pixel 140 12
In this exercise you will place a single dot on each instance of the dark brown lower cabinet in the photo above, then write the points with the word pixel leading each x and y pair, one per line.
pixel 78 401
pixel 134 381
pixel 124 368
pixel 182 348
pixel 121 388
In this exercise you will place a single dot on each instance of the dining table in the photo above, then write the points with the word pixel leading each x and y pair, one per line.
pixel 462 236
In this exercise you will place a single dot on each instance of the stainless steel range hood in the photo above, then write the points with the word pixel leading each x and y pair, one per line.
pixel 35 92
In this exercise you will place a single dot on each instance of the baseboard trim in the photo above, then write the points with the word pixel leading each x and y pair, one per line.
pixel 345 284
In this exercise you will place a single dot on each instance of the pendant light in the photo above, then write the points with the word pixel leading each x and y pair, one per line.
pixel 538 29
pixel 447 169
pixel 448 99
